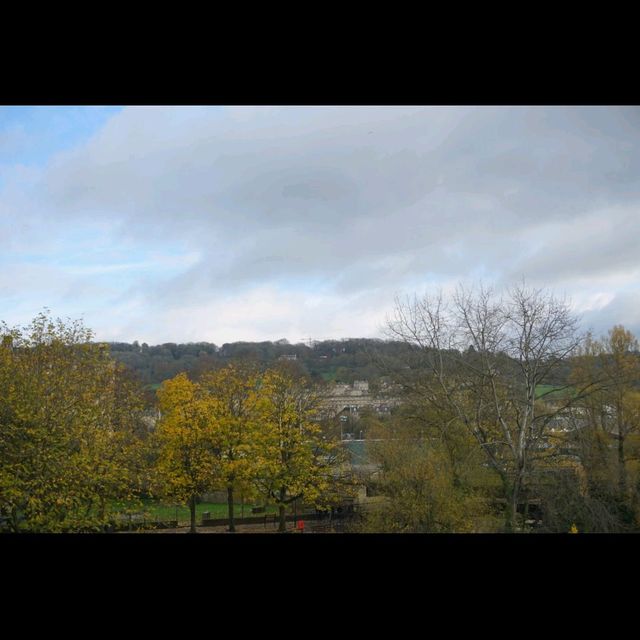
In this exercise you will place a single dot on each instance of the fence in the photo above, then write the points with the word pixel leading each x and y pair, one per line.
pixel 135 521
pixel 273 519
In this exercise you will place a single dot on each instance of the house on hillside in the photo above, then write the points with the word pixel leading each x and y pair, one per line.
pixel 347 401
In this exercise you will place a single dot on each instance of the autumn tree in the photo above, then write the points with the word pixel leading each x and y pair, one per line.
pixel 425 474
pixel 68 434
pixel 231 396
pixel 620 365
pixel 480 358
pixel 294 460
pixel 610 415
pixel 185 446
pixel 118 453
pixel 415 491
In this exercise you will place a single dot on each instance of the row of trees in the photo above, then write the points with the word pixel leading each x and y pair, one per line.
pixel 242 430
pixel 508 412
pixel 77 441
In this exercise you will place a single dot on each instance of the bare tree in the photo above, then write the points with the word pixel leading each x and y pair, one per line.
pixel 481 357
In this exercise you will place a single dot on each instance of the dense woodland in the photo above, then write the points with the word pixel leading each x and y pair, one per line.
pixel 340 361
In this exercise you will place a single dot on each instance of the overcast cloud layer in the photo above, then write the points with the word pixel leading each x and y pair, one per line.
pixel 223 224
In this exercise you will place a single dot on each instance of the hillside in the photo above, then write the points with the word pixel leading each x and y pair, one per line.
pixel 329 360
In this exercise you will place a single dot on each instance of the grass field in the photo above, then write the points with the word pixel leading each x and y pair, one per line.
pixel 158 511
pixel 553 392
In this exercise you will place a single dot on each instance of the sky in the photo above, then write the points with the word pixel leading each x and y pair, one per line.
pixel 218 224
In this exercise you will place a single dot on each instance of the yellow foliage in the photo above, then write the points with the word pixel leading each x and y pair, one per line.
pixel 294 460
pixel 231 396
pixel 69 420
pixel 183 440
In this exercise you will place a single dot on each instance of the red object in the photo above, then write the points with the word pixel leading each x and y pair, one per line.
pixel 301 525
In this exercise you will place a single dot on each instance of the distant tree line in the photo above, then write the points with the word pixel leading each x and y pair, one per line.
pixel 341 361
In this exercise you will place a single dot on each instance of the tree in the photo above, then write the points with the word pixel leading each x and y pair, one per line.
pixel 68 434
pixel 620 365
pixel 231 396
pixel 118 452
pixel 185 443
pixel 611 413
pixel 294 460
pixel 416 491
pixel 481 358
pixel 568 499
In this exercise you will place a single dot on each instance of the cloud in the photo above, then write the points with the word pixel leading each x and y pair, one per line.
pixel 293 215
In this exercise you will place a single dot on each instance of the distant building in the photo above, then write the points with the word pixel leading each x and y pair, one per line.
pixel 361 385
pixel 350 400
pixel 292 356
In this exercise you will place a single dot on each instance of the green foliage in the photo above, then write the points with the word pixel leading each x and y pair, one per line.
pixel 328 360
pixel 417 491
pixel 71 429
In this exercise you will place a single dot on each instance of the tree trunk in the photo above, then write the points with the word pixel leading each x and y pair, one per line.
pixel 232 526
pixel 192 508
pixel 509 525
pixel 281 510
pixel 15 523
pixel 515 499
pixel 512 494
pixel 622 472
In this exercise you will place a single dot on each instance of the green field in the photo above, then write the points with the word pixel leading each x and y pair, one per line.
pixel 157 511
pixel 553 392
